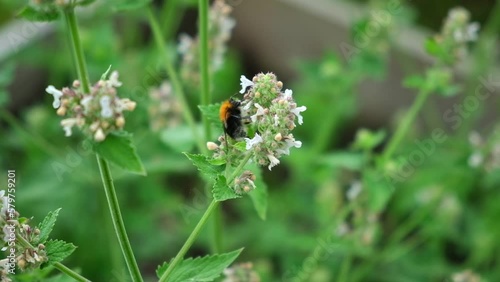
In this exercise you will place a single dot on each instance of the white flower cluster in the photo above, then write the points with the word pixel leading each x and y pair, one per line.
pixel 273 114
pixel 458 25
pixel 11 227
pixel 456 33
pixel 485 153
pixel 164 109
pixel 219 30
pixel 96 113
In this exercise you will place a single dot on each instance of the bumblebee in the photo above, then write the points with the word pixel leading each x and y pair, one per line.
pixel 230 115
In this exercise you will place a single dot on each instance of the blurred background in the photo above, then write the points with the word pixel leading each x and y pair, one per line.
pixel 438 223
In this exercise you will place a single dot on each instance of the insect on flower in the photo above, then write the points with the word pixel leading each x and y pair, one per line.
pixel 230 115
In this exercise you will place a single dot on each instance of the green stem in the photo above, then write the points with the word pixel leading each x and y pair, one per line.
pixel 217 221
pixel 171 14
pixel 194 234
pixel 117 219
pixel 190 240
pixel 405 125
pixel 205 100
pixel 344 269
pixel 76 47
pixel 64 269
pixel 204 64
pixel 61 267
pixel 176 83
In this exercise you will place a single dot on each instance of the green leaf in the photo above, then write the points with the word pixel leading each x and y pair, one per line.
pixel 240 146
pixel 203 164
pixel 432 47
pixel 118 149
pixel 221 191
pixel 104 76
pixel 206 268
pixel 259 195
pixel 211 112
pixel 449 90
pixel 46 13
pixel 179 138
pixel 368 140
pixel 57 251
pixel 46 225
pixel 220 161
pixel 414 82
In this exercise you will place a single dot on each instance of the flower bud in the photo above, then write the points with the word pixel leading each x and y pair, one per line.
pixel 99 135
pixel 278 137
pixel 211 146
pixel 61 111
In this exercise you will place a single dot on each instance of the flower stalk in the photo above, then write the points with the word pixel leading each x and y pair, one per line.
pixel 405 125
pixel 204 64
pixel 109 188
pixel 174 78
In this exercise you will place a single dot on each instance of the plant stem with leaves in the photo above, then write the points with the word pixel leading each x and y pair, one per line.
pixel 196 231
pixel 109 188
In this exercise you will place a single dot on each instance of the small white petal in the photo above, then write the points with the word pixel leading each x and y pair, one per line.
pixel 273 161
pixel 475 160
pixel 67 124
pixel 245 82
pixel 254 141
pixel 297 112
pixel 227 25
pixel 294 143
pixel 85 102
pixel 288 94
pixel 354 190
pixel 67 131
pixel 106 111
pixel 472 31
pixel 113 80
pixel 185 43
pixel 260 112
pixel 247 106
pixel 57 95
pixel 458 35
